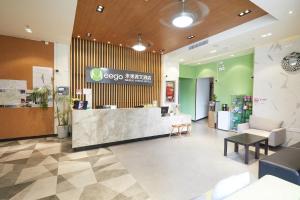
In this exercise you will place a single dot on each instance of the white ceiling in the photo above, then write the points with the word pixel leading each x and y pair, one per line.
pixel 244 38
pixel 50 20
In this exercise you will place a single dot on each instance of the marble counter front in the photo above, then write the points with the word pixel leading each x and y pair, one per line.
pixel 101 126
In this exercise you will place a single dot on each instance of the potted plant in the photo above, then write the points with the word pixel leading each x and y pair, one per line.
pixel 41 96
pixel 63 110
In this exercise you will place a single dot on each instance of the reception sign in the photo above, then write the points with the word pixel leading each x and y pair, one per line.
pixel 113 76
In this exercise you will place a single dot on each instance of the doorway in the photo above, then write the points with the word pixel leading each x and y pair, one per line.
pixel 204 93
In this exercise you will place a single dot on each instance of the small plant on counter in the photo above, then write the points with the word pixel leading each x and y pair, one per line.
pixel 41 96
pixel 214 97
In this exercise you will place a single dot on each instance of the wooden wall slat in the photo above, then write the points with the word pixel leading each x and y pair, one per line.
pixel 86 53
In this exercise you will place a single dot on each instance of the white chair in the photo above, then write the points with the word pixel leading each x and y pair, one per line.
pixel 266 128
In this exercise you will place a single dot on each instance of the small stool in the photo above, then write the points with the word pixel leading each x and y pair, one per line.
pixel 188 128
pixel 174 127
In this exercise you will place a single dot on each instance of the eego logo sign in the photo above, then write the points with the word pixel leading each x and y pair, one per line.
pixel 112 76
pixel 96 74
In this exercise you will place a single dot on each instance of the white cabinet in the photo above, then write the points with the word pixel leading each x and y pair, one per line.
pixel 224 120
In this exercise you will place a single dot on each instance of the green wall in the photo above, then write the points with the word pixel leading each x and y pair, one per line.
pixel 187 93
pixel 234 80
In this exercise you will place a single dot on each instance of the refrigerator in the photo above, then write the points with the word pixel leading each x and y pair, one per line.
pixel 224 118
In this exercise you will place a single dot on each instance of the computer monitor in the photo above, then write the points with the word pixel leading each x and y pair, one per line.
pixel 80 105
pixel 164 110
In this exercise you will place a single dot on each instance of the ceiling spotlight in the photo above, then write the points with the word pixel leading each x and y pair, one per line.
pixel 213 51
pixel 139 46
pixel 246 12
pixel 291 12
pixel 181 60
pixel 28 29
pixel 266 35
pixel 78 36
pixel 108 42
pixel 183 19
pixel 94 39
pixel 120 45
pixel 190 37
pixel 100 8
pixel 88 34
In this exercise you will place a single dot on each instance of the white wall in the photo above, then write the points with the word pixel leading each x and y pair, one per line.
pixel 62 64
pixel 170 72
pixel 276 92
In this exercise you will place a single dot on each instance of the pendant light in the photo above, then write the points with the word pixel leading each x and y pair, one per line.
pixel 139 46
pixel 183 19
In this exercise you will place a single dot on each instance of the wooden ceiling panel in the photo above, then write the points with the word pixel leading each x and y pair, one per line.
pixel 122 20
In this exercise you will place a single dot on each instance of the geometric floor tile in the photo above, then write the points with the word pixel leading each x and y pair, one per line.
pixel 72 166
pixel 38 189
pixel 33 173
pixel 120 184
pixel 98 192
pixel 16 155
pixel 48 169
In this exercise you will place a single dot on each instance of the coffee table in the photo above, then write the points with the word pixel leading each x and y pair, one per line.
pixel 246 140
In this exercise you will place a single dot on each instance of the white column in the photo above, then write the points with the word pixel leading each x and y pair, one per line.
pixel 170 72
pixel 61 69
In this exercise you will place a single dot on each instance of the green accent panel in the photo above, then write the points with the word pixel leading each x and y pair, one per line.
pixel 187 88
pixel 234 80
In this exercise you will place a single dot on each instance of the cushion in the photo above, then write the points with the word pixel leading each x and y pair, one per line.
pixel 228 186
pixel 257 132
pixel 263 123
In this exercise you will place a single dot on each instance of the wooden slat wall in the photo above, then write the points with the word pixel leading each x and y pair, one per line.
pixel 89 53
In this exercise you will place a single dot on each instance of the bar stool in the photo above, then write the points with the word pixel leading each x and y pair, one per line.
pixel 188 128
pixel 174 127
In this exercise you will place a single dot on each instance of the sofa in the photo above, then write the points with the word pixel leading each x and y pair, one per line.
pixel 265 127
pixel 284 164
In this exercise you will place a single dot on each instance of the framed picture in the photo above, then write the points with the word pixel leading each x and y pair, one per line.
pixel 170 91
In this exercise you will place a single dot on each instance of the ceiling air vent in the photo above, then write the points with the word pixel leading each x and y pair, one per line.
pixel 198 44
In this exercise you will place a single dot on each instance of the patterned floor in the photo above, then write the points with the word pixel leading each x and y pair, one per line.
pixel 47 169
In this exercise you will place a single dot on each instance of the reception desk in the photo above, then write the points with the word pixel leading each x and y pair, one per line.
pixel 104 126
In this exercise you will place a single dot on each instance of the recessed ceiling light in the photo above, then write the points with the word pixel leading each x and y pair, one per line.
pixel 88 34
pixel 213 51
pixel 153 51
pixel 266 35
pixel 78 36
pixel 291 12
pixel 108 42
pixel 181 60
pixel 100 8
pixel 245 12
pixel 190 37
pixel 94 39
pixel 120 45
pixel 28 29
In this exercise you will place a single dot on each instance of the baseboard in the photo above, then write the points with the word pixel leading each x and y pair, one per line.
pixel 27 138
pixel 96 146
